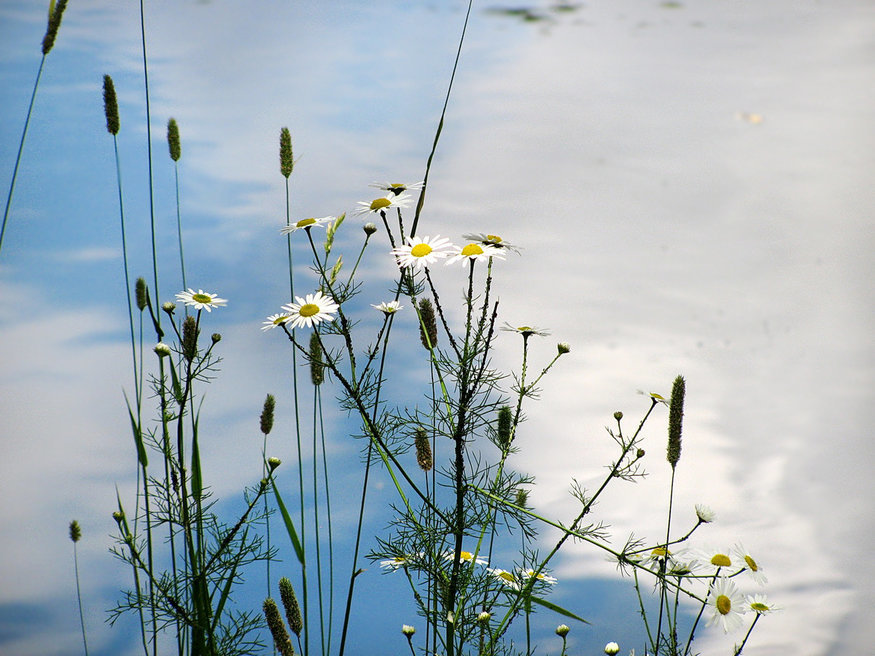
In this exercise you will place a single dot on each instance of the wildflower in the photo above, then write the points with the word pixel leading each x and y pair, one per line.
pixel 369 228
pixel 704 513
pixel 563 348
pixel 408 630
pixel 612 648
pixel 474 252
pixel 380 205
pixel 759 604
pixel 675 421
pixel 419 252
pixel 273 463
pixel 525 331
pixel 275 320
pixel 714 558
pixel 484 617
pixel 752 566
pixel 388 307
pixel 200 299
pixel 290 603
pixel 505 577
pixel 310 310
pixel 465 557
pixel 491 240
pixel 395 563
pixel 728 605
pixel 162 350
pixel 562 630
pixel 540 576
pixel 169 307
pixel 215 338
pixel 307 224
pixel 396 188
pixel 662 559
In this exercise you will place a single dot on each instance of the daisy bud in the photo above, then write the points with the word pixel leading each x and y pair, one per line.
pixel 162 350
pixel 169 307
pixel 273 463
pixel 56 12
pixel 141 293
pixel 266 419
pixel 110 106
pixel 118 516
pixel 408 630
pixel 423 450
pixel 173 140
pixel 75 531
pixel 639 453
pixel 369 229
pixel 618 415
pixel 428 333
pixel 563 348
pixel 190 333
pixel 562 630
pixel 484 617
pixel 290 603
pixel 675 420
pixel 317 369
pixel 287 162
pixel 277 628
pixel 704 513
pixel 505 424
pixel 612 648
pixel 216 337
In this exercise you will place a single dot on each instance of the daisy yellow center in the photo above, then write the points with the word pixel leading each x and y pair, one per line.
pixel 380 204
pixel 721 560
pixel 280 320
pixel 527 329
pixel 308 310
pixel 507 576
pixel 724 604
pixel 202 298
pixel 751 563
pixel 471 250
pixel 759 607
pixel 494 238
pixel 466 555
pixel 303 223
pixel 659 552
pixel 420 250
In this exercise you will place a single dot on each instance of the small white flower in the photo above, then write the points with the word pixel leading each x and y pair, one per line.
pixel 490 240
pixel 464 556
pixel 396 188
pixel 307 223
pixel 728 605
pixel 747 561
pixel 759 604
pixel 529 573
pixel 507 578
pixel 395 563
pixel 562 630
pixel 383 204
pixel 714 558
pixel 310 310
pixel 388 307
pixel 407 630
pixel 275 320
pixel 704 513
pixel 200 299
pixel 474 252
pixel 612 648
pixel 525 331
pixel 419 252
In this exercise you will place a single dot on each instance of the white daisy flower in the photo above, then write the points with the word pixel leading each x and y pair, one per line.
pixel 382 204
pixel 310 310
pixel 712 558
pixel 490 240
pixel 396 188
pixel 529 573
pixel 759 604
pixel 505 577
pixel 704 513
pixel 307 223
pixel 275 320
pixel 728 605
pixel 395 563
pixel 747 561
pixel 388 307
pixel 525 331
pixel 200 299
pixel 464 556
pixel 419 252
pixel 473 252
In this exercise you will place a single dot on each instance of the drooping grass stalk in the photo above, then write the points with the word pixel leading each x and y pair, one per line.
pixel 175 147
pixel 287 166
pixel 56 13
pixel 75 536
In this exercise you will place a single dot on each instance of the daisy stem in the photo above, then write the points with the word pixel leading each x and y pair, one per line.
pixel 664 563
pixel 740 647
pixel 701 611
pixel 179 227
pixel 79 598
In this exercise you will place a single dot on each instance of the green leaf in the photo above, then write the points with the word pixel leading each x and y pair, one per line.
pixel 558 609
pixel 290 526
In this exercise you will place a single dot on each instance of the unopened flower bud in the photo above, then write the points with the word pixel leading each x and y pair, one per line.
pixel 484 617
pixel 408 630
pixel 618 415
pixel 162 350
pixel 273 463
pixel 75 531
pixel 369 229
pixel 169 307
pixel 612 648
pixel 118 516
pixel 639 453
pixel 563 348
pixel 216 337
pixel 562 630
